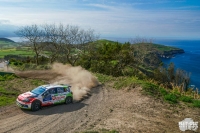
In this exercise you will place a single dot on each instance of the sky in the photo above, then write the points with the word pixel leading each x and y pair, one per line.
pixel 175 19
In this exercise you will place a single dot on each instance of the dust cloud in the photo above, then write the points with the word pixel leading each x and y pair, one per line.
pixel 81 80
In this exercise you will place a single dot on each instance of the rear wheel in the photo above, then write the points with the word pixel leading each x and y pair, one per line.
pixel 68 100
pixel 35 105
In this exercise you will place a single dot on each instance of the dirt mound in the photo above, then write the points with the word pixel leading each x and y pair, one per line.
pixel 81 80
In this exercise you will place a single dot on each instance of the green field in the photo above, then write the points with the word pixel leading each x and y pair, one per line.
pixel 14 51
pixel 7 43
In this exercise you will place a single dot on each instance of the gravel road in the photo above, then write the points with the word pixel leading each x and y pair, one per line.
pixel 125 111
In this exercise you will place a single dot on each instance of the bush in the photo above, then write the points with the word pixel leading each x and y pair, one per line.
pixel 151 88
pixel 172 98
pixel 17 63
pixel 163 92
pixel 7 77
pixel 196 103
pixel 185 99
pixel 104 78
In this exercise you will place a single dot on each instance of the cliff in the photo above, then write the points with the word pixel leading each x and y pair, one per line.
pixel 170 53
pixel 158 49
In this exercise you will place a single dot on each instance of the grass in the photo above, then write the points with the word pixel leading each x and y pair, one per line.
pixel 13 51
pixel 104 78
pixel 6 100
pixel 149 88
pixel 172 98
pixel 28 66
pixel 196 103
pixel 156 47
pixel 11 86
pixel 7 44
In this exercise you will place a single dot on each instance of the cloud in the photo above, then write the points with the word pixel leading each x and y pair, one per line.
pixel 2 21
pixel 109 19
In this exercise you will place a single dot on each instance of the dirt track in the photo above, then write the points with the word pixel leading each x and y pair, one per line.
pixel 125 111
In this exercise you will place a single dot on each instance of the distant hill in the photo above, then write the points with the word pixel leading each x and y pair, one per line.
pixel 159 49
pixel 7 43
pixel 6 40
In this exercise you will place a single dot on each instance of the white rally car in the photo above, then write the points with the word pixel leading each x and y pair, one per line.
pixel 45 95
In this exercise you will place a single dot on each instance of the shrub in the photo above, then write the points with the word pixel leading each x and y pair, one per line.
pixel 104 78
pixel 151 88
pixel 163 92
pixel 172 98
pixel 196 103
pixel 185 99
pixel 7 77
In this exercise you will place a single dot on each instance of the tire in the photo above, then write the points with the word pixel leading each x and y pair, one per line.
pixel 68 100
pixel 36 105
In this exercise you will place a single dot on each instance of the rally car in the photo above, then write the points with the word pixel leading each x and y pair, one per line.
pixel 45 95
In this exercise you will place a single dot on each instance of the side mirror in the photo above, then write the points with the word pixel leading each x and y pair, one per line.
pixel 44 94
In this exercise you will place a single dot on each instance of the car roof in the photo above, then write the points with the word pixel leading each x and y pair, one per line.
pixel 49 86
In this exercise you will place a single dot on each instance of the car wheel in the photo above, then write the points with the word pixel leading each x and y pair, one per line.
pixel 35 105
pixel 68 100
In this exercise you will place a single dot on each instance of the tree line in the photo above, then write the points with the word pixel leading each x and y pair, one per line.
pixel 60 41
pixel 77 46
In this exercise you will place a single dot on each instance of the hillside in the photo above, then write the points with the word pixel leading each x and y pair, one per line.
pixel 7 43
pixel 159 50
pixel 6 40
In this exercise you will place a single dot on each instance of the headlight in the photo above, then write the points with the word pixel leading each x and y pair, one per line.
pixel 26 100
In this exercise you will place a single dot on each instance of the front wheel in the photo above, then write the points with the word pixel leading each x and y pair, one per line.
pixel 35 106
pixel 68 100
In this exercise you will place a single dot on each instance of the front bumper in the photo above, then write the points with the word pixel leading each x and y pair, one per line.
pixel 23 104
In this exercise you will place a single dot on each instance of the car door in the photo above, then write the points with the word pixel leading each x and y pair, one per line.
pixel 61 94
pixel 54 95
pixel 47 98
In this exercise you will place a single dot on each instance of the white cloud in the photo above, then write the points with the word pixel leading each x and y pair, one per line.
pixel 113 20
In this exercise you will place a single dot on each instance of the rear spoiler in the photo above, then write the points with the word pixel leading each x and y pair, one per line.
pixel 66 85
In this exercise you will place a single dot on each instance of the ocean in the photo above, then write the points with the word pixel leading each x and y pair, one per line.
pixel 188 61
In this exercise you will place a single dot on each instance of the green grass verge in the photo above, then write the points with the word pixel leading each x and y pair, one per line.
pixel 6 100
pixel 148 88
pixel 13 51
pixel 29 66
pixel 11 86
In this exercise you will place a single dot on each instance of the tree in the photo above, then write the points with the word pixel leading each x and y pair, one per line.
pixel 74 42
pixel 53 40
pixel 110 58
pixel 34 37
pixel 63 43
pixel 171 77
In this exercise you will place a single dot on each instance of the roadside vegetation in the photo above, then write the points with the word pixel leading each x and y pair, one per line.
pixel 17 52
pixel 152 88
pixel 11 86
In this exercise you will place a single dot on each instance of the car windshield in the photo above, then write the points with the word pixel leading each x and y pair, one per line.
pixel 39 90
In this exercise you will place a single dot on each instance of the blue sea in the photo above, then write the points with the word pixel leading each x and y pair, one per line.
pixel 189 61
